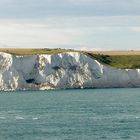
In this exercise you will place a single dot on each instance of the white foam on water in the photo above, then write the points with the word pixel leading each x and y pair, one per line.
pixel 35 118
pixel 19 118
pixel 137 117
pixel 3 118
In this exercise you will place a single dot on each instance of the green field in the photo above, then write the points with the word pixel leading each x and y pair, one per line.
pixel 117 59
pixel 31 51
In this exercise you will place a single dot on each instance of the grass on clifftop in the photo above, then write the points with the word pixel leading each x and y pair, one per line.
pixel 117 59
pixel 31 51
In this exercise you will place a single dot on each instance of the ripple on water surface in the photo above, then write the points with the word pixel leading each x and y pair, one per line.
pixel 71 114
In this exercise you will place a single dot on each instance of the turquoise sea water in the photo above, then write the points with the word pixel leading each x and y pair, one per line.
pixel 92 114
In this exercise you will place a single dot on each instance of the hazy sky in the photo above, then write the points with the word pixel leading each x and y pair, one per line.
pixel 79 24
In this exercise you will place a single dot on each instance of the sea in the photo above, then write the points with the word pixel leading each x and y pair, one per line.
pixel 77 114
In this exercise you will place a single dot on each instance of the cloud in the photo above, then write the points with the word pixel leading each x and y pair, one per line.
pixel 33 35
pixel 74 8
pixel 99 33
pixel 81 24
pixel 85 21
pixel 135 29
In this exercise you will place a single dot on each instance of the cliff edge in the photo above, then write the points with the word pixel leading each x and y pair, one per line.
pixel 61 71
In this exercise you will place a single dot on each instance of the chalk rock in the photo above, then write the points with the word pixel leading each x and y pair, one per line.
pixel 61 71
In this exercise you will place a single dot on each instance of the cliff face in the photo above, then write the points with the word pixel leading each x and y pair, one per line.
pixel 61 71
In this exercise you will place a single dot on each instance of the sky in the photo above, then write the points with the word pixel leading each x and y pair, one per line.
pixel 76 24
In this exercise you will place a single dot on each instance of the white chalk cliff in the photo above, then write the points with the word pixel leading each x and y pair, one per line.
pixel 61 71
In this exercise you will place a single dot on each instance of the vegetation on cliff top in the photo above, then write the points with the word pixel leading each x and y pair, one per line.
pixel 117 59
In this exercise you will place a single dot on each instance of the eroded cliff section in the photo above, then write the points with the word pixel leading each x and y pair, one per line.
pixel 61 71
